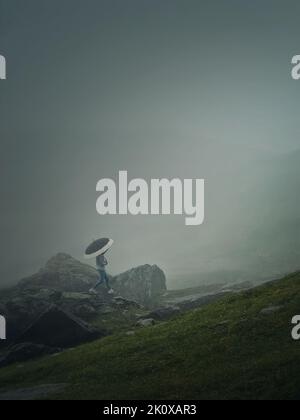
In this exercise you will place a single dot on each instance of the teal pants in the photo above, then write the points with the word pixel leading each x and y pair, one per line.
pixel 103 279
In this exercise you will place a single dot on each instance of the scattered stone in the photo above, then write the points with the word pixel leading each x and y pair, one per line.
pixel 146 322
pixel 222 327
pixel 73 296
pixel 270 310
pixel 120 302
pixel 106 309
pixel 85 311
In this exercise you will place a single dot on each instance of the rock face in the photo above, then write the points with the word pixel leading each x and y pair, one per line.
pixel 65 274
pixel 65 282
pixel 53 309
pixel 62 273
pixel 57 328
pixel 144 284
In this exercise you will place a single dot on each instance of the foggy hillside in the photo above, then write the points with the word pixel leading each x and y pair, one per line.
pixel 158 91
pixel 258 236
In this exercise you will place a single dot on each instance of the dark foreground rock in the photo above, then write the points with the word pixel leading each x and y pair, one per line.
pixel 54 309
pixel 65 283
pixel 26 351
pixel 57 328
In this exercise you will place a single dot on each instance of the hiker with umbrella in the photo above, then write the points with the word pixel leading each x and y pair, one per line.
pixel 97 250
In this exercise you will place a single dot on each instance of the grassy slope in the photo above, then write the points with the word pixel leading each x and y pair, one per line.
pixel 227 350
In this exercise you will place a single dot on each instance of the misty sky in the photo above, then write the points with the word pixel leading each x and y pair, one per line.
pixel 161 88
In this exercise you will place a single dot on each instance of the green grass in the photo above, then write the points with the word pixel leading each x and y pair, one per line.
pixel 227 350
pixel 118 320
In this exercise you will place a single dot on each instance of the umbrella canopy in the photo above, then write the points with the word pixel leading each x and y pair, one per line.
pixel 98 247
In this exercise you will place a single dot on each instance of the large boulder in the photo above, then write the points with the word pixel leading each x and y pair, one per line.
pixel 144 284
pixel 65 274
pixel 62 273
pixel 65 283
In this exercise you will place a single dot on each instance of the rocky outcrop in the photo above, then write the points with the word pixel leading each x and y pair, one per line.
pixel 23 308
pixel 57 328
pixel 64 284
pixel 62 273
pixel 145 284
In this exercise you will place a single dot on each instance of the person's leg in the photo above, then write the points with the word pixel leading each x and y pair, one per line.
pixel 106 280
pixel 101 279
pixel 108 286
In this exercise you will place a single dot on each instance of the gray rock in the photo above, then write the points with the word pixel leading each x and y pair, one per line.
pixel 63 273
pixel 271 310
pixel 76 296
pixel 144 284
pixel 106 309
pixel 246 285
pixel 222 327
pixel 189 302
pixel 122 303
pixel 146 322
pixel 45 294
pixel 85 311
pixel 65 283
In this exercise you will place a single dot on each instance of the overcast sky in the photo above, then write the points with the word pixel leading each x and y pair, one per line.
pixel 161 88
